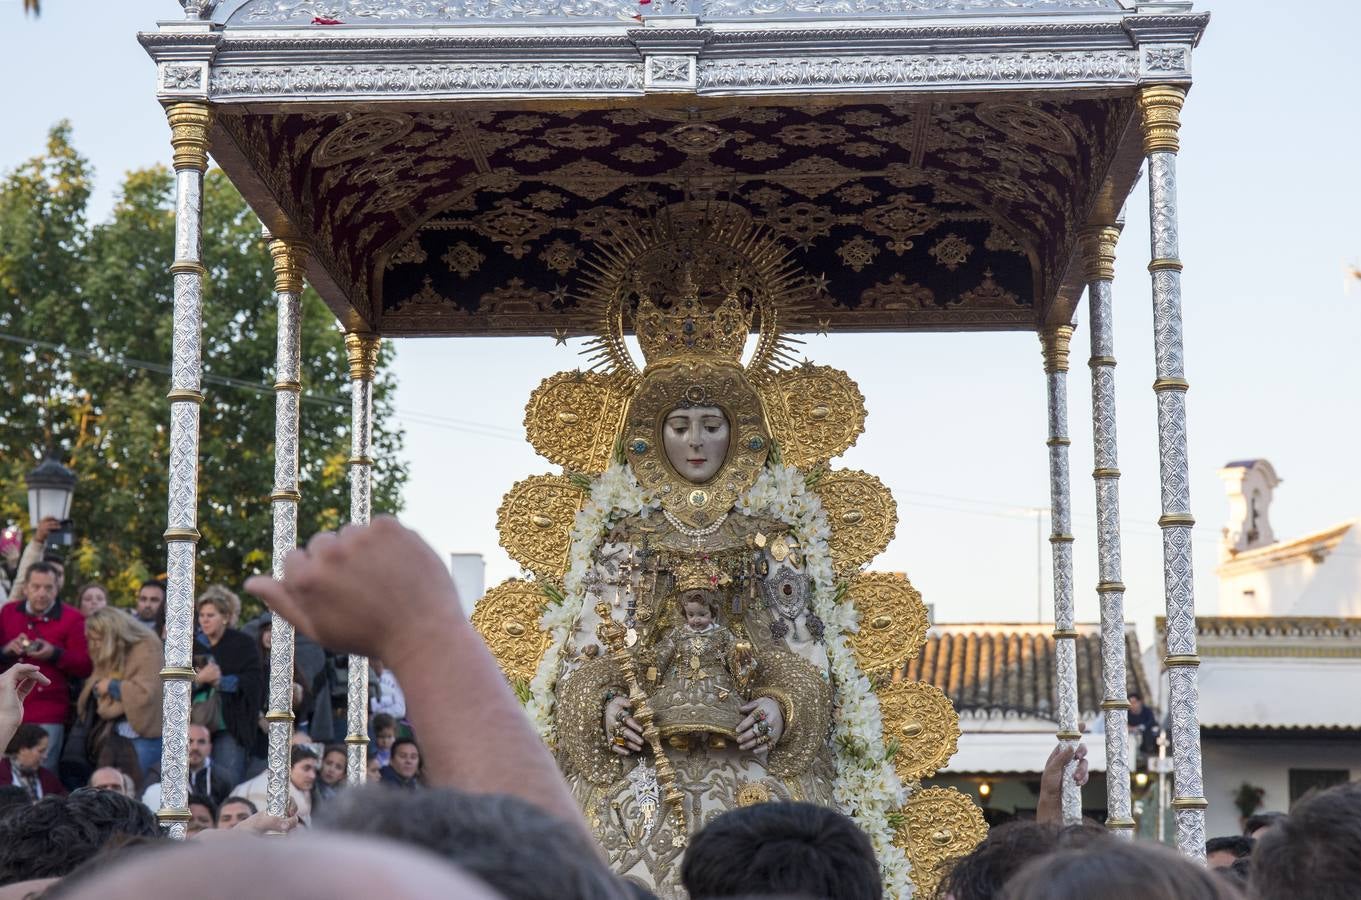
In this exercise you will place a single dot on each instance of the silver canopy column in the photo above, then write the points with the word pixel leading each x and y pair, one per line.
pixel 1055 341
pixel 1098 249
pixel 1161 108
pixel 189 124
pixel 362 350
pixel 288 283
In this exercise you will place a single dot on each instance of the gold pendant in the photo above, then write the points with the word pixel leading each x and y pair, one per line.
pixel 779 549
pixel 694 661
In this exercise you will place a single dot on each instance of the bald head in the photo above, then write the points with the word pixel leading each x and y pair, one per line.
pixel 107 778
pixel 301 866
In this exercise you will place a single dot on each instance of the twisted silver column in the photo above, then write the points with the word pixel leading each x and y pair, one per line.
pixel 1099 257
pixel 1161 108
pixel 189 124
pixel 288 273
pixel 362 350
pixel 1055 341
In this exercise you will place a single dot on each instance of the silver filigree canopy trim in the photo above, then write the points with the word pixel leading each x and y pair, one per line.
pixel 425 12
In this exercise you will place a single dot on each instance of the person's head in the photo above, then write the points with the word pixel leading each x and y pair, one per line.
pixel 41 584
pixel 150 599
pixel 1315 851
pixel 1116 870
pixel 200 746
pixel 332 771
pixel 384 731
pixel 302 767
pixel 13 798
pixel 1136 702
pixel 110 634
pixel 698 609
pixel 300 737
pixel 91 598
pixel 1220 852
pixel 58 565
pixel 511 845
pixel 234 811
pixel 980 874
pixel 1260 822
pixel 107 778
pixel 696 441
pixel 56 834
pixel 782 848
pixel 373 770
pixel 217 609
pixel 28 747
pixel 302 866
pixel 202 814
pixel 406 758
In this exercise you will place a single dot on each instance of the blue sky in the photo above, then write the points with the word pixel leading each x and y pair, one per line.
pixel 1269 198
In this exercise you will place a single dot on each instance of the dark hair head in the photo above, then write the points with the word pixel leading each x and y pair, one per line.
pixel 26 737
pixel 404 741
pixel 513 846
pixel 248 804
pixel 335 748
pixel 383 720
pixel 12 799
pixel 56 561
pixel 153 582
pixel 1239 874
pixel 1136 695
pixel 204 801
pixel 983 872
pixel 56 834
pixel 1256 823
pixel 1316 850
pixel 782 848
pixel 112 813
pixel 1116 870
pixel 1236 844
pixel 298 753
pixel 48 567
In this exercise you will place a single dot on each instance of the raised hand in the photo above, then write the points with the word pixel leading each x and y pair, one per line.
pixel 16 683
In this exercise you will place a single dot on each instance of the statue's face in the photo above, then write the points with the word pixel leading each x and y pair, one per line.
pixel 696 441
pixel 697 613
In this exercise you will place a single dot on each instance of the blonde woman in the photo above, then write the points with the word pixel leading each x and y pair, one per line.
pixel 126 681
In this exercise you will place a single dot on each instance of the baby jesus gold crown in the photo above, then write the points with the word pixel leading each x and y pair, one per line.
pixel 688 329
pixel 700 573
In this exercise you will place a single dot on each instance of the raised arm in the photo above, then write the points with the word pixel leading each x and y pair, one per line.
pixel 379 590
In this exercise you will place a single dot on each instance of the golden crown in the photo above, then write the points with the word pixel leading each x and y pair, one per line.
pixel 699 573
pixel 689 329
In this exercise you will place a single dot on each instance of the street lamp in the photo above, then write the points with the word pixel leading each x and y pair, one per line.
pixel 50 487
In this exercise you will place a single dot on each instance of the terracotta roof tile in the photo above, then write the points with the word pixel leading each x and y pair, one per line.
pixel 1011 668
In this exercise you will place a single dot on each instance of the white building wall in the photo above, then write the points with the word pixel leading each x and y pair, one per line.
pixel 1229 762
pixel 1326 585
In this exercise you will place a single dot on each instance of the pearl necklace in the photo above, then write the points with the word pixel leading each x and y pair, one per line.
pixel 695 533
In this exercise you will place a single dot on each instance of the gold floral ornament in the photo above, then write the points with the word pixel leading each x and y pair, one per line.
pixel 924 723
pixel 939 825
pixel 535 523
pixel 893 621
pixel 861 513
pixel 507 617
pixel 694 283
pixel 571 419
pixel 816 413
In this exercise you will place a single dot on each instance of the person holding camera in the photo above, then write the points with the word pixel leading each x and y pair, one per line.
pixel 51 636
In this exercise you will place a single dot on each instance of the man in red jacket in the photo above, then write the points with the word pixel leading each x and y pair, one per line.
pixel 50 635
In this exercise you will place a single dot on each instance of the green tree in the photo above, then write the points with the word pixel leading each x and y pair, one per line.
pixel 85 325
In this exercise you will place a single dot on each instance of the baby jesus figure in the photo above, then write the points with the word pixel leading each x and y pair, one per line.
pixel 703 671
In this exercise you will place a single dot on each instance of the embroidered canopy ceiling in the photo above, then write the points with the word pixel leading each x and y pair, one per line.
pixel 452 167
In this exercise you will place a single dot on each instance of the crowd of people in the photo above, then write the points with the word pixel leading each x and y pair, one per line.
pixel 97 715
pixel 493 817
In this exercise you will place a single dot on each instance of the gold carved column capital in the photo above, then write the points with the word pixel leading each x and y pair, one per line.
pixel 289 259
pixel 1098 252
pixel 1160 106
pixel 362 349
pixel 189 123
pixel 1054 342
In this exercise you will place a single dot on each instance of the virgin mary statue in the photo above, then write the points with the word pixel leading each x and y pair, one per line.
pixel 698 636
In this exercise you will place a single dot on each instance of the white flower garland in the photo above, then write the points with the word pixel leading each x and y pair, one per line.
pixel 866 786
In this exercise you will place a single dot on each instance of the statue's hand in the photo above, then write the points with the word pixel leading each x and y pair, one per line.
pixel 620 726
pixel 763 727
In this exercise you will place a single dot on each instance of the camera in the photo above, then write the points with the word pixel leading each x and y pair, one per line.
pixel 63 537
